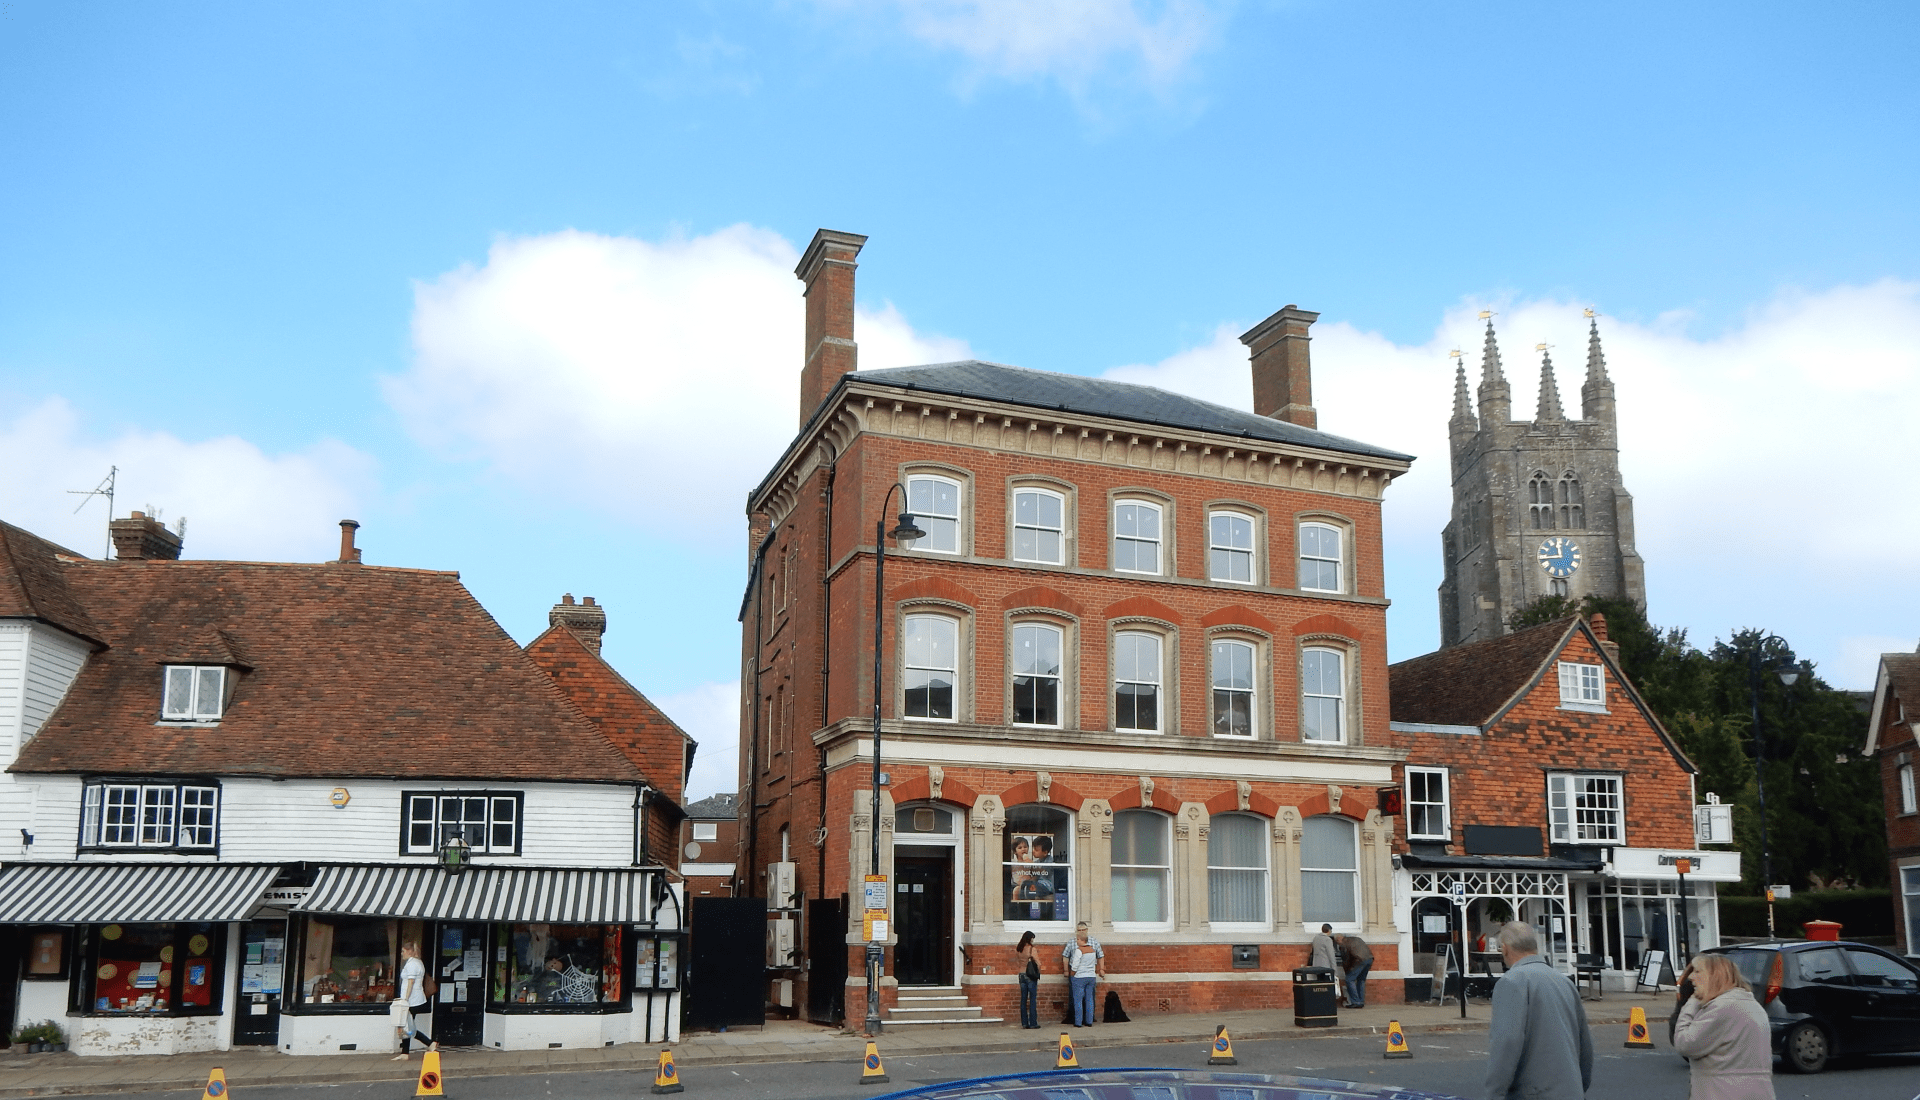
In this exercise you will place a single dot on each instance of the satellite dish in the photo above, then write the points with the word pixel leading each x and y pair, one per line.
pixel 692 849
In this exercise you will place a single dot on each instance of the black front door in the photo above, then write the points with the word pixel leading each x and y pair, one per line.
pixel 727 972
pixel 923 910
pixel 13 948
pixel 826 960
pixel 460 966
pixel 263 962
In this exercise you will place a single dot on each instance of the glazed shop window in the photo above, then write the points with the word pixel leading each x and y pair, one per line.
pixel 351 960
pixel 155 969
pixel 488 820
pixel 149 815
pixel 558 964
pixel 1037 863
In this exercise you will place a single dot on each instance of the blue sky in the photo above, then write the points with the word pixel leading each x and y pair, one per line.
pixel 512 285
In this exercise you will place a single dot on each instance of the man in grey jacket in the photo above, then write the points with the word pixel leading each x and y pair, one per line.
pixel 1539 1047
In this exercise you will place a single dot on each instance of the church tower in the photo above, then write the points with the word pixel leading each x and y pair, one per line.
pixel 1538 506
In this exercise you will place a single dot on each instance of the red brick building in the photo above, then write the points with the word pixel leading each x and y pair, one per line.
pixel 1537 778
pixel 1134 674
pixel 1891 736
pixel 709 843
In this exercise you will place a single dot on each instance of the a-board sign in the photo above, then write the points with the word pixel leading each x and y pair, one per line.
pixel 1650 968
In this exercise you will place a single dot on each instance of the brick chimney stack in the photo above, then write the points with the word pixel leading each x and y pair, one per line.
pixel 1282 377
pixel 1598 624
pixel 586 619
pixel 349 553
pixel 827 268
pixel 140 537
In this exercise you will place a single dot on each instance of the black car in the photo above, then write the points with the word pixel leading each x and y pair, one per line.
pixel 1825 998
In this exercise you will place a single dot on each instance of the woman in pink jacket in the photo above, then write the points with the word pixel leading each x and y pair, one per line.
pixel 1723 1032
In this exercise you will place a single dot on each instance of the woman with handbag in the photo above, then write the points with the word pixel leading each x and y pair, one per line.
pixel 410 998
pixel 1029 964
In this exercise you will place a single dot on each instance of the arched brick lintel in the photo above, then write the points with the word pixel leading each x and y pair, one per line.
pixel 1129 799
pixel 1144 607
pixel 920 789
pixel 933 588
pixel 1057 795
pixel 1320 804
pixel 1328 624
pixel 1042 596
pixel 1238 615
pixel 1228 802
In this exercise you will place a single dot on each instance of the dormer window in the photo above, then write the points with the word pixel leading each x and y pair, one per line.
pixel 1583 687
pixel 194 693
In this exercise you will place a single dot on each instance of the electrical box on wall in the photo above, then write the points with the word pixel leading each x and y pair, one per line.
pixel 780 889
pixel 783 992
pixel 1246 956
pixel 780 950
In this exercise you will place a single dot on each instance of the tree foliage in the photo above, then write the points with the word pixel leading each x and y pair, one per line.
pixel 1824 822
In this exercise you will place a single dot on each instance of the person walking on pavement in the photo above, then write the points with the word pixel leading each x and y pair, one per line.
pixel 1723 1033
pixel 1359 961
pixel 1539 1047
pixel 1085 964
pixel 1323 953
pixel 413 991
pixel 1028 962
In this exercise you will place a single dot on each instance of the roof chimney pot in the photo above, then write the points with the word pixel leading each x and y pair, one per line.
pixel 349 553
pixel 140 537
pixel 827 268
pixel 587 620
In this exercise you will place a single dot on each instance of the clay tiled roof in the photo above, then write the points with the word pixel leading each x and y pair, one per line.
pixel 345 671
pixel 1467 685
pixel 33 585
pixel 1900 680
pixel 642 732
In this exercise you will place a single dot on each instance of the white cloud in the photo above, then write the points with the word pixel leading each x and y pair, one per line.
pixel 1760 459
pixel 660 378
pixel 710 713
pixel 241 503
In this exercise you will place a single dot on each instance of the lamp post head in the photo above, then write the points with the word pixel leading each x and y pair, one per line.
pixel 1792 673
pixel 906 533
pixel 455 853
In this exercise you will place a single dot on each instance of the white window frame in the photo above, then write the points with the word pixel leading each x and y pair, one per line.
pixel 1251 692
pixel 504 810
pixel 1059 533
pixel 1907 801
pixel 1308 698
pixel 1158 541
pixel 1339 560
pixel 131 814
pixel 1910 898
pixel 1164 923
pixel 1058 677
pixel 908 665
pixel 923 545
pixel 1218 551
pixel 203 698
pixel 1156 669
pixel 1596 822
pixel 1064 846
pixel 1583 687
pixel 1313 922
pixel 1443 806
pixel 1265 892
pixel 706 831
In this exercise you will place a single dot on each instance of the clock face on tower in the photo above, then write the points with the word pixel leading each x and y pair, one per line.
pixel 1559 556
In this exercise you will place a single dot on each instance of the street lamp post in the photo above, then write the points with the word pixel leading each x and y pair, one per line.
pixel 1789 671
pixel 906 532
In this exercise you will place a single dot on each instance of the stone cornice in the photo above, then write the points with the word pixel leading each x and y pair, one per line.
pixel 1230 752
pixel 862 407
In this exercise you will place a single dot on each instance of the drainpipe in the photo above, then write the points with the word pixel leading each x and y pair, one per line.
pixel 758 596
pixel 826 674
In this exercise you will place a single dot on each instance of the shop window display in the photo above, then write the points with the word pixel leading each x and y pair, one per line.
pixel 1037 863
pixel 155 969
pixel 348 960
pixel 559 964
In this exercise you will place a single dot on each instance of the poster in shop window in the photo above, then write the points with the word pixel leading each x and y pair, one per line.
pixel 1035 883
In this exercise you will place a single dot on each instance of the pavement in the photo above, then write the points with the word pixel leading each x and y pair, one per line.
pixel 776 1041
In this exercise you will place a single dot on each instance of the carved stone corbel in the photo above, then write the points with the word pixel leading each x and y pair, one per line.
pixel 1245 790
pixel 1333 798
pixel 1044 781
pixel 1146 790
pixel 936 775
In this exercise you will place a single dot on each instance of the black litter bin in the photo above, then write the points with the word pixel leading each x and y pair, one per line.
pixel 1316 1003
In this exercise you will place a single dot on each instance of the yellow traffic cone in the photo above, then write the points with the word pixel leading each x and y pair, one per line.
pixel 667 1078
pixel 216 1085
pixel 1637 1036
pixel 871 1071
pixel 430 1080
pixel 1221 1053
pixel 1396 1041
pixel 1066 1060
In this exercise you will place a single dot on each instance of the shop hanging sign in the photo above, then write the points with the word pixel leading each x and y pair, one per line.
pixel 283 897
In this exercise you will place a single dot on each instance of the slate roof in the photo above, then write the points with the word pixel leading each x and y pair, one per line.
pixel 1467 685
pixel 346 671
pixel 1104 397
pixel 723 805
pixel 33 586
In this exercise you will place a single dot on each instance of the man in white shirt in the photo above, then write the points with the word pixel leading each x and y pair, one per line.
pixel 1085 964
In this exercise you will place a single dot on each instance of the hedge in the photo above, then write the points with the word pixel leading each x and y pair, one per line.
pixel 1861 912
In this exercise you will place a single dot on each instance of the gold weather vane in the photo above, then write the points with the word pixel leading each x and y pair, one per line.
pixel 1454 354
pixel 1541 347
pixel 1589 312
pixel 1486 315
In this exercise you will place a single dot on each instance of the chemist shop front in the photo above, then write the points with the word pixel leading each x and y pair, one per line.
pixel 155 959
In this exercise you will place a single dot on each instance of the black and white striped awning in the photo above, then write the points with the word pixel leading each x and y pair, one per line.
pixel 129 893
pixel 551 895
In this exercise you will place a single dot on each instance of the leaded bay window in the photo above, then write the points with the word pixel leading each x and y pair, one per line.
pixel 1584 809
pixel 130 813
pixel 193 693
pixel 489 821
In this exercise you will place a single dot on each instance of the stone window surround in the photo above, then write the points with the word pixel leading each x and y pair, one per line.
pixel 1169 528
pixel 1351 731
pixel 1069 518
pixel 1169 699
pixel 963 688
pixel 1262 542
pixel 960 474
pixel 1349 553
pixel 1069 627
